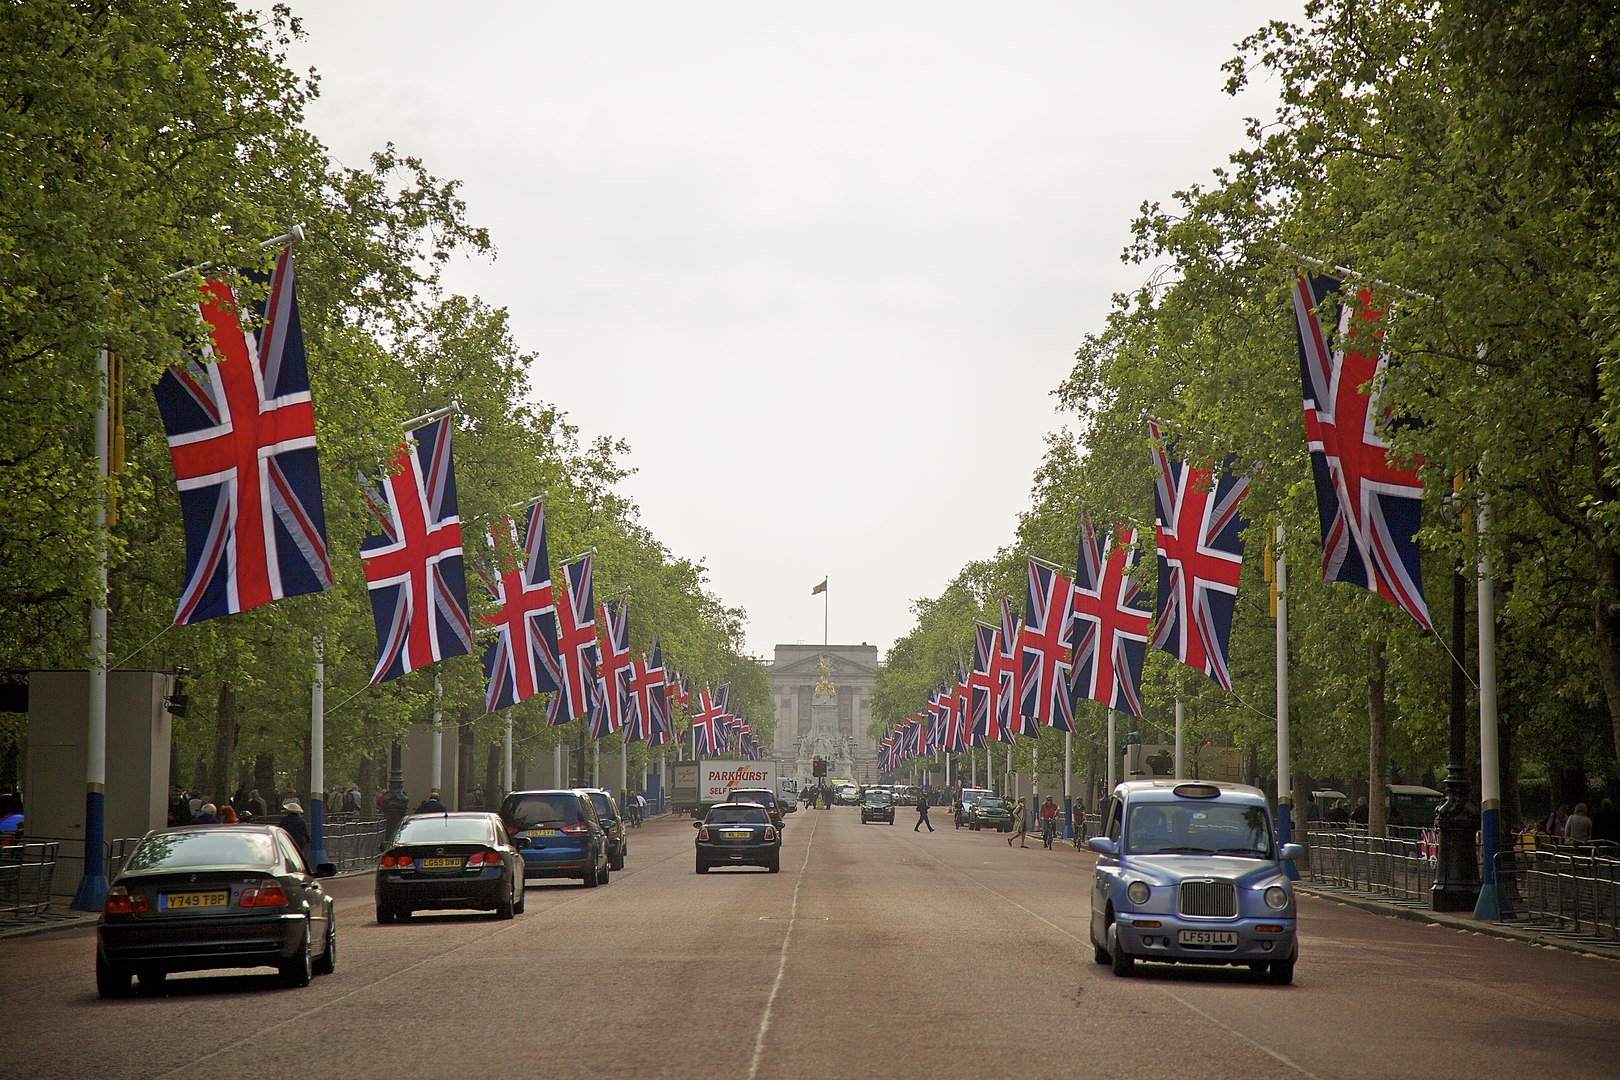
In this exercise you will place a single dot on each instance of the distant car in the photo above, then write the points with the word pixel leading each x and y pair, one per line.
pixel 1189 872
pixel 214 896
pixel 847 795
pixel 970 795
pixel 449 861
pixel 877 805
pixel 566 839
pixel 613 821
pixel 905 795
pixel 761 796
pixel 991 812
pixel 738 834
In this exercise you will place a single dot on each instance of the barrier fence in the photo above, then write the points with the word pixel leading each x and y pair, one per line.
pixel 26 872
pixel 1394 868
pixel 1561 890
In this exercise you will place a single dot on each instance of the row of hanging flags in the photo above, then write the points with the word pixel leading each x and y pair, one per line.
pixel 1085 637
pixel 241 431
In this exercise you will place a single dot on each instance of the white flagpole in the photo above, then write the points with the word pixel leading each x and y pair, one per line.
pixel 1181 714
pixel 438 732
pixel 317 757
pixel 92 891
pixel 1113 757
pixel 1491 903
pixel 1285 765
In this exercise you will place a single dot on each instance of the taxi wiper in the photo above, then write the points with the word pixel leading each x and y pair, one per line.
pixel 1241 851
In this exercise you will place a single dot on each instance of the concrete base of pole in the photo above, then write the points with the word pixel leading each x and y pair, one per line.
pixel 1067 833
pixel 91 894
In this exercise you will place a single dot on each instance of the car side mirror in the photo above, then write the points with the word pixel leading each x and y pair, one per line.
pixel 697 824
pixel 1290 852
pixel 1102 845
pixel 326 869
pixel 521 842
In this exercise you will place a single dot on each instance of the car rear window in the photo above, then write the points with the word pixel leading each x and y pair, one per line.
pixel 763 798
pixel 603 804
pixel 528 811
pixel 438 829
pixel 204 847
pixel 733 815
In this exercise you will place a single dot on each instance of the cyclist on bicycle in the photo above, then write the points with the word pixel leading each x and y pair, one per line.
pixel 1048 822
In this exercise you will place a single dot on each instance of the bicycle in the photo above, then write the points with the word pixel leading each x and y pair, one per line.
pixel 1048 831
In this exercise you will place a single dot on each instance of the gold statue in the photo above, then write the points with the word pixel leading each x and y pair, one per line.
pixel 824 684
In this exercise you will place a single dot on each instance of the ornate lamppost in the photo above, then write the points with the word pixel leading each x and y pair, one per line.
pixel 1456 877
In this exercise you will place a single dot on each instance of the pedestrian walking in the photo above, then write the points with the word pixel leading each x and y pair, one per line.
pixel 1020 826
pixel 641 809
pixel 922 814
pixel 1578 827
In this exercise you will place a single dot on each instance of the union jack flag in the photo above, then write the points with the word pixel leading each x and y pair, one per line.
pixel 885 754
pixel 647 715
pixel 1043 642
pixel 956 735
pixel 1109 639
pixel 413 565
pixel 706 737
pixel 1200 541
pixel 522 660
pixel 615 663
pixel 1369 509
pixel 938 706
pixel 1008 675
pixel 241 435
pixel 576 644
pixel 601 718
pixel 982 686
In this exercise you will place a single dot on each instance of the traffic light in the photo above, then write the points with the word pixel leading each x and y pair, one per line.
pixel 819 767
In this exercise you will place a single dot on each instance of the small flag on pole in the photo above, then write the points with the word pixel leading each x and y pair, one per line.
pixel 819 588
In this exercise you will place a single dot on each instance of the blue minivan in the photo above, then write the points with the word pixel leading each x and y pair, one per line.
pixel 566 837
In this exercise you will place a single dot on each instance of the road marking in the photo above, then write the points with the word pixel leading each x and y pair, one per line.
pixel 781 964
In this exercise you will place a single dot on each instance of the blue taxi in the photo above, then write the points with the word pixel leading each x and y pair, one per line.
pixel 1189 872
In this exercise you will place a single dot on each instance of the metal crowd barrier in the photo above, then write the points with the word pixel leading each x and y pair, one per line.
pixel 353 844
pixel 1561 889
pixel 1395 868
pixel 26 872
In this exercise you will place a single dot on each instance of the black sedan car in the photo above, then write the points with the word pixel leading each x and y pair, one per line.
pixel 877 805
pixel 442 861
pixel 762 797
pixel 613 821
pixel 990 812
pixel 738 834
pixel 214 896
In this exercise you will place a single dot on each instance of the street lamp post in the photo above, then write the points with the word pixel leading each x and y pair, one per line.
pixel 1456 878
pixel 396 804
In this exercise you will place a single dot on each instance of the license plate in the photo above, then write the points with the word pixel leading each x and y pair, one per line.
pixel 1208 937
pixel 736 834
pixel 187 901
pixel 442 864
pixel 542 832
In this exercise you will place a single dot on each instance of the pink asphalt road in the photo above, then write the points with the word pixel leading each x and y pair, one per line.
pixel 876 952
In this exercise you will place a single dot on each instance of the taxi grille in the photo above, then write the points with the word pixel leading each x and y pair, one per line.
pixel 1208 899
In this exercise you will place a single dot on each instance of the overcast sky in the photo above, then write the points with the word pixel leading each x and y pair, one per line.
pixel 820 263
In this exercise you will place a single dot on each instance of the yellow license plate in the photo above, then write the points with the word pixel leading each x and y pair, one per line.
pixel 193 900
pixel 442 864
pixel 542 832
pixel 736 834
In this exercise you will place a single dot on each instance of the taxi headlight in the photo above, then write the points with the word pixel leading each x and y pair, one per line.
pixel 1139 892
pixel 1276 898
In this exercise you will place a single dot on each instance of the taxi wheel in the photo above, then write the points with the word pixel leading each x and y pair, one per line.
pixel 1124 962
pixel 1282 972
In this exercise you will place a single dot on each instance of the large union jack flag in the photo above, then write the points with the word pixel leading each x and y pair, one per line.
pixel 615 663
pixel 1200 543
pixel 1007 671
pixel 576 644
pixel 1044 644
pixel 646 717
pixel 522 660
pixel 981 684
pixel 1370 510
pixel 241 435
pixel 413 563
pixel 956 734
pixel 706 737
pixel 1110 632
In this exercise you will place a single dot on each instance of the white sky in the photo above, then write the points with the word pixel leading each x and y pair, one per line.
pixel 820 263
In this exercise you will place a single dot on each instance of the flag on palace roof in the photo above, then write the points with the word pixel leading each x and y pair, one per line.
pixel 1110 631
pixel 522 660
pixel 1369 508
pixel 241 431
pixel 1200 542
pixel 413 562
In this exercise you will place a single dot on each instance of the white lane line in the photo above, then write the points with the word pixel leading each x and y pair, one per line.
pixel 1296 1066
pixel 781 964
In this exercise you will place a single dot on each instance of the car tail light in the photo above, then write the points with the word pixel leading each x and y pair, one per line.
pixel 123 902
pixel 578 828
pixel 266 893
pixel 484 858
pixel 770 833
pixel 397 862
pixel 703 833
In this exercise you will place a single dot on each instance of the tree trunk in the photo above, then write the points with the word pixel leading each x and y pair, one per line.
pixel 1377 742
pixel 1606 616
pixel 225 731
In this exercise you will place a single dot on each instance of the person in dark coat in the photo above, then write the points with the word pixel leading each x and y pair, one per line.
pixel 208 814
pixel 296 827
pixel 431 804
